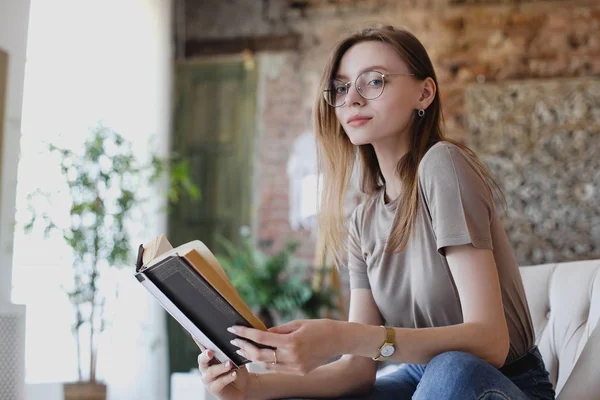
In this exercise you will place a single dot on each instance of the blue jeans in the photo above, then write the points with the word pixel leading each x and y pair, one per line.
pixel 462 376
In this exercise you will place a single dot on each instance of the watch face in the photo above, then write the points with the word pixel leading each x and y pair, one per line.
pixel 387 350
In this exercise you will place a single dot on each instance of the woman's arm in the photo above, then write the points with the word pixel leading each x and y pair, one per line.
pixel 484 332
pixel 349 375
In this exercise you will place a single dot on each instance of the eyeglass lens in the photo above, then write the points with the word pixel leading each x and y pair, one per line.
pixel 369 85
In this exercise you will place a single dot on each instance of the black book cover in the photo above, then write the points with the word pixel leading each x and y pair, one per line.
pixel 200 303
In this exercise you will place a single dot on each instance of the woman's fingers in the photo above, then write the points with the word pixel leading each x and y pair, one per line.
pixel 204 360
pixel 215 371
pixel 215 376
pixel 270 359
pixel 251 352
pixel 258 336
pixel 225 379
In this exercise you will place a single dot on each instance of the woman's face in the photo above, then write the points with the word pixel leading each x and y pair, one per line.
pixel 388 117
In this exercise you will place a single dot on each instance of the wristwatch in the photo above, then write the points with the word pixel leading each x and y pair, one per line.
pixel 388 347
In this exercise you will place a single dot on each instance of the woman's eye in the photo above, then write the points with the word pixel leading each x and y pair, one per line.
pixel 375 82
pixel 341 90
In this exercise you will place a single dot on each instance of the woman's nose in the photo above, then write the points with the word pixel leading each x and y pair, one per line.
pixel 353 97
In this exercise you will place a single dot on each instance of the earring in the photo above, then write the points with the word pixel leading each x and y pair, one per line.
pixel 421 112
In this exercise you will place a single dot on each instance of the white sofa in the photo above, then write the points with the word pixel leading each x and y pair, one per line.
pixel 564 300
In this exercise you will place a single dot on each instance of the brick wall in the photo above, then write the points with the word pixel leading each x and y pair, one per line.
pixel 468 41
pixel 284 115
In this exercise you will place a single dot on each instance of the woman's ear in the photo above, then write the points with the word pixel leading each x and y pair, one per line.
pixel 427 93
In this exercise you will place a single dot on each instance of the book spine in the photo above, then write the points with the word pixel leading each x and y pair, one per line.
pixel 140 257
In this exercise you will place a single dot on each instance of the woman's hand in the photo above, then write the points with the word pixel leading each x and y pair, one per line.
pixel 220 379
pixel 300 346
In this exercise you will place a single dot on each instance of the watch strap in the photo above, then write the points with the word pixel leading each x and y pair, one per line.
pixel 390 335
pixel 390 339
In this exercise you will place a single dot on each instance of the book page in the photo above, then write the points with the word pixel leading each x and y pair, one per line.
pixel 155 248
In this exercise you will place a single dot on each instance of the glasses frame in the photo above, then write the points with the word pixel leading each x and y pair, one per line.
pixel 349 84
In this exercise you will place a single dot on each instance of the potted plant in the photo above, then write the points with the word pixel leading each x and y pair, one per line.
pixel 104 183
pixel 278 288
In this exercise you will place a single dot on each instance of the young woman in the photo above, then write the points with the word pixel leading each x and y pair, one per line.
pixel 434 281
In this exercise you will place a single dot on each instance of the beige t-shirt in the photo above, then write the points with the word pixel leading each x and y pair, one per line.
pixel 414 288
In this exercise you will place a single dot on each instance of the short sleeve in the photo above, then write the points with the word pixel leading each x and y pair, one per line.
pixel 459 201
pixel 357 267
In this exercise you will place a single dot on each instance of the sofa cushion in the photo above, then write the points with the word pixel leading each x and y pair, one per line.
pixel 564 301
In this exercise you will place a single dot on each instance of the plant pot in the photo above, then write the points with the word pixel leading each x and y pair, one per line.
pixel 85 391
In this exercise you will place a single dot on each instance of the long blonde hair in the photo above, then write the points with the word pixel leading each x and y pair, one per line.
pixel 337 155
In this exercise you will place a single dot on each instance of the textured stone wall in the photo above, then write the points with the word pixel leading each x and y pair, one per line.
pixel 469 41
pixel 541 139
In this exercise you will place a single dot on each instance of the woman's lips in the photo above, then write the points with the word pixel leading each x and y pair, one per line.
pixel 358 122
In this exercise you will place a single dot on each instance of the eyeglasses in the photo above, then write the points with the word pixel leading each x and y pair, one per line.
pixel 369 85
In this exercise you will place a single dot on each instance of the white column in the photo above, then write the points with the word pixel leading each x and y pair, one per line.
pixel 14 22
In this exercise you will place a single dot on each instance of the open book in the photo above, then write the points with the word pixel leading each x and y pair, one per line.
pixel 191 285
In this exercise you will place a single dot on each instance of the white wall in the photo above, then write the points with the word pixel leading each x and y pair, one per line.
pixel 14 21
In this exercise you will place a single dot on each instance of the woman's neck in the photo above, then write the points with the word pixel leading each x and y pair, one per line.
pixel 388 156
